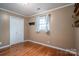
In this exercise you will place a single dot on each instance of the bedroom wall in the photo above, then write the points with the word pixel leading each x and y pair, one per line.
pixel 61 31
pixel 4 28
pixel 26 28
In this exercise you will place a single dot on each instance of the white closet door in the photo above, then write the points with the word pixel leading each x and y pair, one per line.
pixel 20 30
pixel 16 30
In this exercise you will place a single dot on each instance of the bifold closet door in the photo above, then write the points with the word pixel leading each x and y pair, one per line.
pixel 16 30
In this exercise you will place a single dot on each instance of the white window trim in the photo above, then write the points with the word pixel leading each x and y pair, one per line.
pixel 37 24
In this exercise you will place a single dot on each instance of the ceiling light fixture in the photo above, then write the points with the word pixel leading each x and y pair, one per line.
pixel 38 9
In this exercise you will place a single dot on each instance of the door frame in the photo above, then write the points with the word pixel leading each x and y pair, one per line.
pixel 10 31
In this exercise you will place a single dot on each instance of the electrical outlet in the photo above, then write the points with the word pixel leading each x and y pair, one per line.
pixel 0 43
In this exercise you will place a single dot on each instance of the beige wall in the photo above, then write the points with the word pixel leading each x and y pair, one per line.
pixel 61 31
pixel 4 28
pixel 26 28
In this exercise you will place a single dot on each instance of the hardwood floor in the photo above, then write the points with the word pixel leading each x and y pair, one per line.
pixel 32 49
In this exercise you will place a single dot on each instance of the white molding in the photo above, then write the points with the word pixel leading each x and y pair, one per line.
pixel 52 46
pixel 53 9
pixel 42 12
pixel 26 40
pixel 4 46
pixel 44 45
pixel 9 45
pixel 11 12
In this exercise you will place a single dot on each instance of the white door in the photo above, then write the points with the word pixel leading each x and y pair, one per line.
pixel 16 30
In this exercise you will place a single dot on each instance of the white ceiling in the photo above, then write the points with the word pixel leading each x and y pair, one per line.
pixel 30 8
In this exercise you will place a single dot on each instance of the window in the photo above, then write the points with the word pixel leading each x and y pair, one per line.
pixel 42 23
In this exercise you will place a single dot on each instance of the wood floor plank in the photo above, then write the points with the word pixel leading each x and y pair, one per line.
pixel 32 49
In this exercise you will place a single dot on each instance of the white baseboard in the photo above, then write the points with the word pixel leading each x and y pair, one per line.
pixel 4 46
pixel 53 47
pixel 9 45
pixel 44 45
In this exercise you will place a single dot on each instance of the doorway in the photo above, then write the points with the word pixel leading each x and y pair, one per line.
pixel 16 30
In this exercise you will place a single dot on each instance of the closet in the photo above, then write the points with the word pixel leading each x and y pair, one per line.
pixel 16 30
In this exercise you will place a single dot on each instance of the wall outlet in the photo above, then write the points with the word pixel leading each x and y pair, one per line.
pixel 0 43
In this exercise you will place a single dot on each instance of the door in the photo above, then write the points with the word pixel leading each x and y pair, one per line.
pixel 16 30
